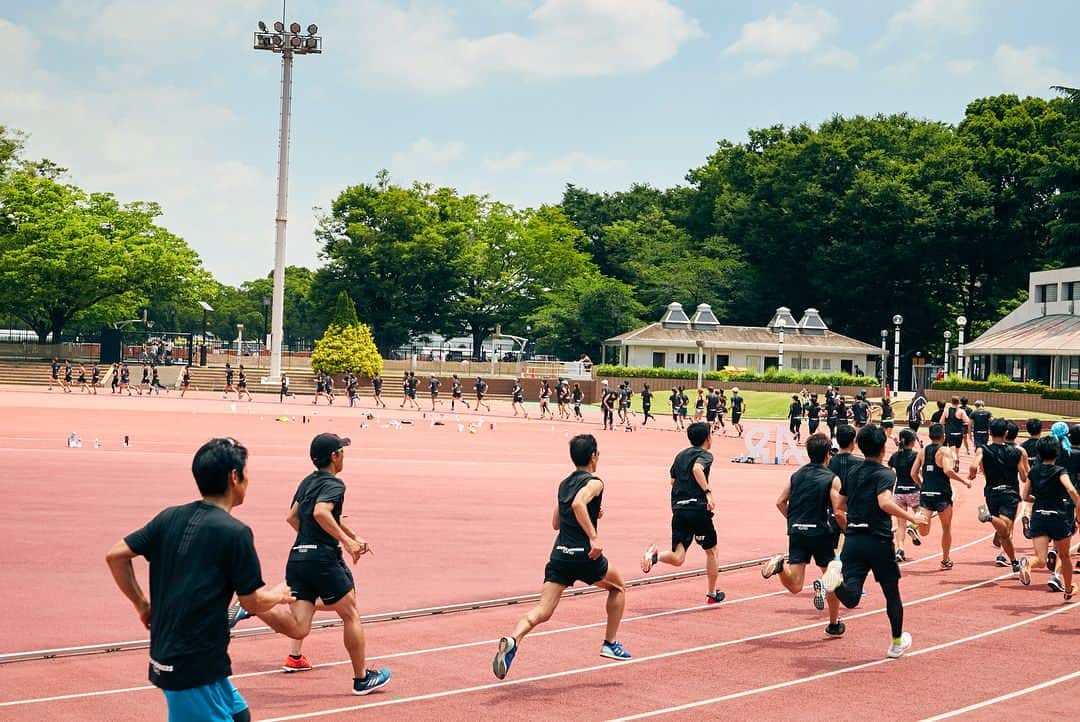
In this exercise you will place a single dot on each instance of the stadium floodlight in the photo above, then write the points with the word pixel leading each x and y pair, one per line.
pixel 262 26
pixel 295 41
pixel 897 321
pixel 279 27
pixel 311 43
pixel 312 29
pixel 294 28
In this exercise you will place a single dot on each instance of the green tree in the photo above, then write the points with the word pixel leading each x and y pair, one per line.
pixel 347 348
pixel 345 313
pixel 303 319
pixel 578 317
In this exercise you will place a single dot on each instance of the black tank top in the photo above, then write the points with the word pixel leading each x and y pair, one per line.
pixel 1050 495
pixel 1001 464
pixel 809 505
pixel 572 544
pixel 935 480
pixel 953 425
pixel 902 461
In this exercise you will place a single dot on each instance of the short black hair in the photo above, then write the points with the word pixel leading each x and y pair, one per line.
pixel 845 434
pixel 937 431
pixel 582 448
pixel 818 447
pixel 697 432
pixel 1074 434
pixel 871 440
pixel 963 400
pixel 214 462
pixel 1048 448
pixel 1034 426
pixel 998 427
pixel 907 438
pixel 941 404
pixel 1011 431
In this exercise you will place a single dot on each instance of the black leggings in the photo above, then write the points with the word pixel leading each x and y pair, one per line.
pixel 609 417
pixel 851 594
pixel 795 426
pixel 645 410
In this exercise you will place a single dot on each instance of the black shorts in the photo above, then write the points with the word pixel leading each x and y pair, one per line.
pixel 565 572
pixel 954 440
pixel 802 548
pixel 981 438
pixel 865 554
pixel 692 525
pixel 329 580
pixel 434 394
pixel 479 397
pixel 937 501
pixel 1003 505
pixel 412 393
pixel 457 394
pixel 710 416
pixel 519 400
pixel 243 385
pixel 735 416
pixel 1057 526
pixel 887 424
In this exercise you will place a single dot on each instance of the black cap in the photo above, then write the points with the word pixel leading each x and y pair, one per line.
pixel 323 445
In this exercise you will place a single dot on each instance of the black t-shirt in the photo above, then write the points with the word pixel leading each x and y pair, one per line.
pixel 813 411
pixel 1049 493
pixel 864 516
pixel 809 506
pixel 794 410
pixel 685 492
pixel 313 543
pixel 1001 464
pixel 980 420
pixel 901 462
pixel 517 392
pixel 842 464
pixel 935 418
pixel 571 543
pixel 646 397
pixel 577 394
pixel 228 376
pixel 934 477
pixel 481 388
pixel 1029 449
pixel 199 556
pixel 434 385
pixel 886 411
pixel 861 411
pixel 711 402
pixel 736 404
pixel 674 400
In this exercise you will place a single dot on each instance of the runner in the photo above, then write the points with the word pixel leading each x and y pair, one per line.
pixel 481 389
pixel 646 404
pixel 906 491
pixel 433 387
pixel 125 379
pixel 607 409
pixel 712 400
pixel 844 460
pixel 980 426
pixel 915 414
pixel 684 406
pixel 691 510
pixel 144 384
pixel 699 405
pixel 114 380
pixel 794 414
pixel 562 394
pixel 673 400
pixel 956 425
pixel 1034 429
pixel 933 471
pixel 813 414
pixel 625 400
pixel 351 385
pixel 887 417
pixel 860 411
pixel 455 393
pixel 721 411
pixel 1004 468
pixel 283 392
pixel 866 497
pixel 66 383
pixel 808 500
pixel 228 381
pixel 328 383
pixel 81 379
pixel 200 555
pixel 577 555
pixel 242 389
pixel 937 416
pixel 967 425
pixel 1053 515
pixel 54 373
pixel 830 412
pixel 155 382
pixel 518 395
pixel 738 407
pixel 185 382
pixel 544 397
pixel 95 378
pixel 376 391
pixel 577 396
pixel 404 390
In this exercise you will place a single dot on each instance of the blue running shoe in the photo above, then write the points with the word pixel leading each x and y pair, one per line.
pixel 371 681
pixel 504 657
pixel 237 614
pixel 1001 560
pixel 614 650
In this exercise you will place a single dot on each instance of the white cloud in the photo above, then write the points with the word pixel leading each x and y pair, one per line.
pixel 425 160
pixel 761 67
pixel 836 58
pixel 907 69
pixel 1027 70
pixel 511 161
pixel 961 66
pixel 935 16
pixel 799 30
pixel 578 162
pixel 422 46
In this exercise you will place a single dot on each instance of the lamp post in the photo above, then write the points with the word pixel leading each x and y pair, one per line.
pixel 239 342
pixel 289 43
pixel 701 361
pixel 266 300
pixel 961 367
pixel 202 349
pixel 897 321
pixel 947 336
pixel 780 325
pixel 883 373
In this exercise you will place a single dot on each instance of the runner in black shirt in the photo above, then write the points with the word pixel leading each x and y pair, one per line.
pixel 144 384
pixel 1004 468
pixel 433 387
pixel 866 497
pixel 544 397
pixel 906 491
pixel 228 381
pixel 625 397
pixel 81 379
pixel 721 411
pixel 936 417
pixel 712 400
pixel 518 399
pixel 684 405
pixel 699 405
pixel 691 509
pixel 481 389
pixel 242 389
pixel 376 391
pixel 577 395
pixel 607 408
pixel 860 412
pixel 54 373
pixel 813 414
pixel 185 382
pixel 646 404
pixel 95 378
pixel 200 555
pixel 830 414
pixel 980 425
pixel 887 416
pixel 410 390
pixel 67 378
pixel 1034 429
pixel 738 407
pixel 915 415
pixel 1053 514
pixel 577 555
pixel 956 425
pixel 933 472
pixel 673 400
pixel 455 393
pixel 808 501
pixel 794 414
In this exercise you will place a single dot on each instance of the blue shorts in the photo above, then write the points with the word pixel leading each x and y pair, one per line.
pixel 214 702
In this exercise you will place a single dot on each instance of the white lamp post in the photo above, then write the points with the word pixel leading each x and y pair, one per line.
pixel 897 320
pixel 781 324
pixel 883 373
pixel 239 341
pixel 701 361
pixel 947 336
pixel 961 367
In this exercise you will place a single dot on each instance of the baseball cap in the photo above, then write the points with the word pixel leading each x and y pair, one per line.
pixel 323 445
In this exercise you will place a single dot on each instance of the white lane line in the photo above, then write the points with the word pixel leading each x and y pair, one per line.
pixel 463 645
pixel 1004 697
pixel 843 670
pixel 611 665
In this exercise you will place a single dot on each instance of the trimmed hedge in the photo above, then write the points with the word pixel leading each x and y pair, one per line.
pixel 1065 394
pixel 769 377
pixel 996 382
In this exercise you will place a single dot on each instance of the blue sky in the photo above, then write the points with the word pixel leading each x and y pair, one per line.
pixel 165 100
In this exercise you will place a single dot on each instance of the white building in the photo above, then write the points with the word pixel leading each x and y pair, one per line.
pixel 1040 339
pixel 680 342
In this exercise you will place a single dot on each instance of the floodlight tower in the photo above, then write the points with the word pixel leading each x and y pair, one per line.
pixel 288 42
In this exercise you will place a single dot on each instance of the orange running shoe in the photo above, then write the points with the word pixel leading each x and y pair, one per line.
pixel 292 664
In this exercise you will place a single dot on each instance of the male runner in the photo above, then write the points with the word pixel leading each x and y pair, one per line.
pixel 200 555
pixel 933 470
pixel 646 404
pixel 866 499
pixel 626 395
pixel 144 384
pixel 66 383
pixel 228 381
pixel 906 491
pixel 481 389
pixel 938 416
pixel 544 398
pixel 412 383
pixel 843 461
pixel 830 413
pixel 351 385
pixel 712 400
pixel 887 416
pixel 860 411
pixel 813 414
pixel 577 395
pixel 81 379
pixel 95 378
pixel 1053 515
pixel 242 389
pixel 577 555
pixel 691 509
pixel 185 382
pixel 967 426
pixel 1004 468
pixel 956 424
pixel 518 396
pixel 376 391
pixel 54 373
pixel 455 393
pixel 980 425
pixel 915 414
pixel 607 408
pixel 721 411
pixel 433 386
pixel 806 501
pixel 673 400
pixel 794 414
pixel 684 406
pixel 738 407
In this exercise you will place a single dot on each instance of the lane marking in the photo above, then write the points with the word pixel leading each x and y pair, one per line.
pixel 542 633
pixel 1004 697
pixel 843 670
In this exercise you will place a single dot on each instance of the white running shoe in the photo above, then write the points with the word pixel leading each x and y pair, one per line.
pixel 773 566
pixel 1025 571
pixel 897 650
pixel 649 559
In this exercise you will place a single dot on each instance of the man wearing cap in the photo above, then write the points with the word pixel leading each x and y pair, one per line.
pixel 316 569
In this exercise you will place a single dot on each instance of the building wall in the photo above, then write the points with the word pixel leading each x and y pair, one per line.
pixel 754 360
pixel 1032 308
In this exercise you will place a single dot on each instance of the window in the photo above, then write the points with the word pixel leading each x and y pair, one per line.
pixel 1072 291
pixel 826 364
pixel 721 361
pixel 753 363
pixel 1047 293
pixel 658 359
pixel 690 358
pixel 680 358
pixel 817 364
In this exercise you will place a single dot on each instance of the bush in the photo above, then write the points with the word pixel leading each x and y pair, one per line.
pixel 1066 394
pixel 996 382
pixel 771 376
pixel 351 348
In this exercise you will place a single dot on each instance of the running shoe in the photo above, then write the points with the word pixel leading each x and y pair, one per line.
pixel 835 630
pixel 897 650
pixel 946 564
pixel 1055 584
pixel 1069 594
pixel 1001 560
pixel 614 650
pixel 236 614
pixel 1051 560
pixel 714 598
pixel 652 555
pixel 371 681
pixel 901 556
pixel 914 534
pixel 773 566
pixel 996 540
pixel 504 657
pixel 830 580
pixel 1025 521
pixel 1015 566
pixel 1025 571
pixel 296 664
pixel 984 513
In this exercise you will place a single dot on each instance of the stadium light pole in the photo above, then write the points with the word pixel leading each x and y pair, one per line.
pixel 883 373
pixel 288 42
pixel 897 321
pixel 947 336
pixel 701 361
pixel 961 367
pixel 780 325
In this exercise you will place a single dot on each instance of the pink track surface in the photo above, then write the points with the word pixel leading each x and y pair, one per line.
pixel 459 517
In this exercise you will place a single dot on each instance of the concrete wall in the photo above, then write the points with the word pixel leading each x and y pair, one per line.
pixel 754 360
pixel 1023 402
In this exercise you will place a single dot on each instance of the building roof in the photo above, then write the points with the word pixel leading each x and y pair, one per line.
pixel 1048 335
pixel 750 337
